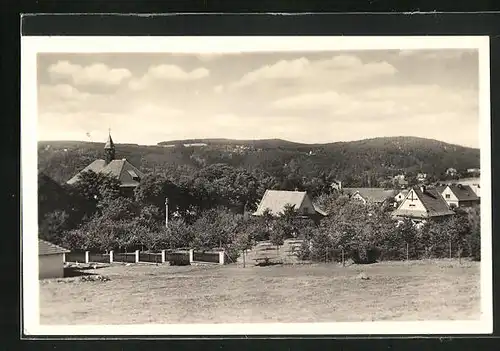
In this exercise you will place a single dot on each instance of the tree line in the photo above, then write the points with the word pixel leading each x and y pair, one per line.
pixel 212 208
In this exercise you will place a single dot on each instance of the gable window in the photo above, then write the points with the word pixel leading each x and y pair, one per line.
pixel 134 175
pixel 447 196
pixel 412 205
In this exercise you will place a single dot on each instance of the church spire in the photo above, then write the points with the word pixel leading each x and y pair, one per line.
pixel 109 149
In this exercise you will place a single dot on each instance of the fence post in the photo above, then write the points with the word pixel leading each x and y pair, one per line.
pixel 407 252
pixel 162 256
pixel 136 256
pixel 343 259
pixel 221 257
pixel 111 256
pixel 86 257
pixel 191 256
pixel 64 257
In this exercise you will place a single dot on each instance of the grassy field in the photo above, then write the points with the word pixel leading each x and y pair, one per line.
pixel 423 290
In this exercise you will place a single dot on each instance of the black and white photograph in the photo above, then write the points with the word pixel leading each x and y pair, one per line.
pixel 264 185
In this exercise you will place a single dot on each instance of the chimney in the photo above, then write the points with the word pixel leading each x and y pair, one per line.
pixel 340 185
pixel 422 188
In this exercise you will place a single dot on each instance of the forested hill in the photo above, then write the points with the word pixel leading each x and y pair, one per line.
pixel 356 163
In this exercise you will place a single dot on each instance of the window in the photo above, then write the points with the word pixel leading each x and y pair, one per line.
pixel 412 205
pixel 447 196
pixel 133 175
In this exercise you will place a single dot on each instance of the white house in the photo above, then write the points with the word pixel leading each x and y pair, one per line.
pixel 459 195
pixel 421 177
pixel 336 185
pixel 50 260
pixel 451 171
pixel 423 203
pixel 473 182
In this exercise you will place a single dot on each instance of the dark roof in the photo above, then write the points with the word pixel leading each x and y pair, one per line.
pixel 464 192
pixel 372 194
pixel 120 169
pixel 46 248
pixel 441 188
pixel 433 202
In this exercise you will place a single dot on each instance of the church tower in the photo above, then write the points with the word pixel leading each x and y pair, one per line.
pixel 109 150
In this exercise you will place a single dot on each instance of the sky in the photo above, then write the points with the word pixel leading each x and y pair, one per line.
pixel 311 97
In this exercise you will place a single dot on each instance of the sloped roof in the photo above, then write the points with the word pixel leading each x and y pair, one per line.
pixel 433 202
pixel 464 192
pixel 404 192
pixel 120 169
pixel 46 248
pixel 441 188
pixel 372 194
pixel 275 201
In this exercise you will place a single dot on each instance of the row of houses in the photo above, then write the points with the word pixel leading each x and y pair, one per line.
pixel 418 203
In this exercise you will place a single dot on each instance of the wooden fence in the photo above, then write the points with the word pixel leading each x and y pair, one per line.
pixel 173 257
pixel 203 256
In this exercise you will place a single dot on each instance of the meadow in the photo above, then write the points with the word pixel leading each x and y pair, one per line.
pixel 399 291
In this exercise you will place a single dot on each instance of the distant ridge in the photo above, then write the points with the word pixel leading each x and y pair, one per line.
pixel 284 143
pixel 349 160
pixel 276 142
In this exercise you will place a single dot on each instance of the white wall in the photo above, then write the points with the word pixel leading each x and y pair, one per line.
pixel 451 199
pixel 399 197
pixel 51 266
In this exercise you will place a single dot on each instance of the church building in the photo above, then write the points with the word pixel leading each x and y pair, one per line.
pixel 124 171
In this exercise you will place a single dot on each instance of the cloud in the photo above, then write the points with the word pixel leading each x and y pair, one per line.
pixel 167 73
pixel 383 103
pixel 219 89
pixel 437 54
pixel 341 69
pixel 136 124
pixel 280 70
pixel 97 73
pixel 61 92
pixel 211 56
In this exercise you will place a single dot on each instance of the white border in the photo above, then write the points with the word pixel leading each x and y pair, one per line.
pixel 31 46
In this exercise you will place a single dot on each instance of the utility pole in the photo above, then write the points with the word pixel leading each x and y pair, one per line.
pixel 166 212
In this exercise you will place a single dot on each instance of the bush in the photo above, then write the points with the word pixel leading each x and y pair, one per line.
pixel 53 226
pixel 365 254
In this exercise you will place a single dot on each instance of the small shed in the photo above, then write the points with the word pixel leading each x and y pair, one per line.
pixel 50 260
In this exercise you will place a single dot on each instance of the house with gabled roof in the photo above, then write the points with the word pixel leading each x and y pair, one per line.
pixel 336 185
pixel 401 195
pixel 458 195
pixel 128 175
pixel 275 202
pixel 422 203
pixel 50 260
pixel 370 195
